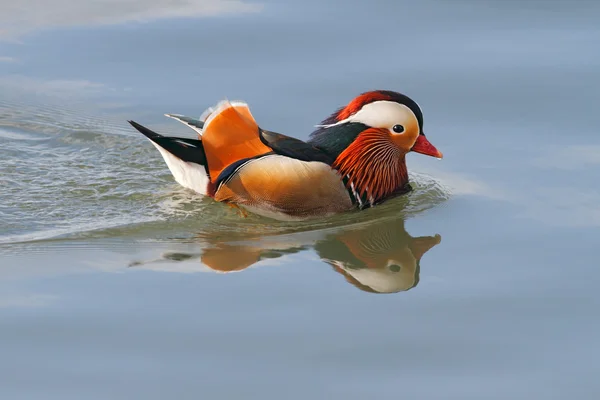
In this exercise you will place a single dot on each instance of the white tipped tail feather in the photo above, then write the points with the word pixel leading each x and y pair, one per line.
pixel 184 157
pixel 187 174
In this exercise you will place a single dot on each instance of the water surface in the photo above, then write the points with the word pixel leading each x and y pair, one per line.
pixel 117 283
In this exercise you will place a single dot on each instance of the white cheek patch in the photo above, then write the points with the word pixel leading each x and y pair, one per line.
pixel 381 114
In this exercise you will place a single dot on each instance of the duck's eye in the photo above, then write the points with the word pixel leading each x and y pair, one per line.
pixel 395 268
pixel 398 128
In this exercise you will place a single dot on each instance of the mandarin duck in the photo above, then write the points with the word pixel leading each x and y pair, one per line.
pixel 355 158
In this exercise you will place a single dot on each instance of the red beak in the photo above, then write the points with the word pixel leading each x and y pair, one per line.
pixel 423 146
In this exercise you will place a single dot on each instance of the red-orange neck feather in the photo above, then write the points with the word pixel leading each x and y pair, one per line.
pixel 374 165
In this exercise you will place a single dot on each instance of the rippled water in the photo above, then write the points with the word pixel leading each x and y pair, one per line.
pixel 117 283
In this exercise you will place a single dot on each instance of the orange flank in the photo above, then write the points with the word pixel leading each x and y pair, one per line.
pixel 279 184
pixel 230 134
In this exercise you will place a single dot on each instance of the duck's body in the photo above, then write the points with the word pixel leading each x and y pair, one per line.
pixel 355 159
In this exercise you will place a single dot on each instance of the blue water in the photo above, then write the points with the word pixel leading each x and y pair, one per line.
pixel 117 283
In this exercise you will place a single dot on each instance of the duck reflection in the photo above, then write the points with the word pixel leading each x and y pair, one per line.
pixel 380 258
pixel 376 257
pixel 232 257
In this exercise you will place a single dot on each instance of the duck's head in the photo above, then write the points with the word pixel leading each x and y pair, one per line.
pixel 397 117
pixel 369 138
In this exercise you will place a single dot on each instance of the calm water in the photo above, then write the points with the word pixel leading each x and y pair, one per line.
pixel 115 283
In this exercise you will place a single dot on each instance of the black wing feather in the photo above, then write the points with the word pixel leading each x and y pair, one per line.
pixel 294 148
pixel 190 150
